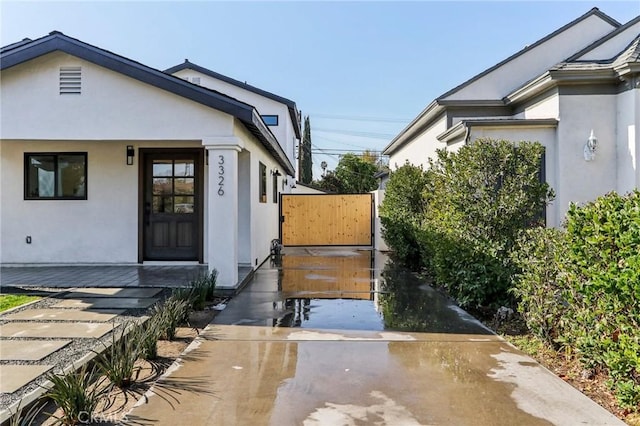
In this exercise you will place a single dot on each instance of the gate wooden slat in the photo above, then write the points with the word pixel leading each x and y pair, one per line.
pixel 326 219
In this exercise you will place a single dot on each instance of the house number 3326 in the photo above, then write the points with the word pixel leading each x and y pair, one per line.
pixel 221 175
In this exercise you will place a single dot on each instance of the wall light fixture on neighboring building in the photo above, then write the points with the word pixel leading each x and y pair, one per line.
pixel 590 147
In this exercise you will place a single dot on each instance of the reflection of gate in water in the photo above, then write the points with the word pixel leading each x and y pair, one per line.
pixel 335 277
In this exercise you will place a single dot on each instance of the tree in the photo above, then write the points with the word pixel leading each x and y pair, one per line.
pixel 356 174
pixel 306 171
pixel 330 183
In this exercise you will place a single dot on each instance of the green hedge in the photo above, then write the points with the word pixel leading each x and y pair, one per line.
pixel 402 213
pixel 603 270
pixel 580 289
pixel 483 197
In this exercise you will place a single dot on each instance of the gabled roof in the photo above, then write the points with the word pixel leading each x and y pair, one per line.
pixel 593 12
pixel 604 39
pixel 27 50
pixel 293 110
pixel 439 106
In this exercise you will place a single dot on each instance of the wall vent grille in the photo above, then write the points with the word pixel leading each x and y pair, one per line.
pixel 195 80
pixel 70 80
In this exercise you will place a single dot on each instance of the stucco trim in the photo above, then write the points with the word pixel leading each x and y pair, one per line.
pixel 244 112
pixel 454 133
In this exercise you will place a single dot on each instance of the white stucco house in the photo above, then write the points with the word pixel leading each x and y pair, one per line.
pixel 581 78
pixel 107 161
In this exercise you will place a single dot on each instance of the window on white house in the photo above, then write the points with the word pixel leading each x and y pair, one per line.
pixel 58 176
pixel 263 183
pixel 275 187
pixel 270 120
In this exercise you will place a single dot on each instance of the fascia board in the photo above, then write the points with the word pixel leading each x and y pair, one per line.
pixel 430 113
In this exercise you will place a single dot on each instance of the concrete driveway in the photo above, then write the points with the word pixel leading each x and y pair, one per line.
pixel 324 339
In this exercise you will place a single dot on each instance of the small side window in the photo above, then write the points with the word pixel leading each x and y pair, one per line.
pixel 55 176
pixel 270 120
pixel 263 183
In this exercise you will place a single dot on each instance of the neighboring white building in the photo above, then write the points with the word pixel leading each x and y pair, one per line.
pixel 106 160
pixel 585 76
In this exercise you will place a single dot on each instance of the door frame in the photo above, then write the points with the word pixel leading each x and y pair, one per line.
pixel 200 194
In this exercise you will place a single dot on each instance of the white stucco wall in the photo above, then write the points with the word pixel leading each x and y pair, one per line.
pixel 264 216
pixel 304 189
pixel 548 107
pixel 111 106
pixel 628 140
pixel 579 180
pixel 283 132
pixel 421 148
pixel 112 112
pixel 536 61
pixel 101 229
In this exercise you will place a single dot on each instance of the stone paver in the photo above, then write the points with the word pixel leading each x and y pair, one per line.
pixel 79 293
pixel 106 303
pixel 16 376
pixel 28 350
pixel 54 329
pixel 65 315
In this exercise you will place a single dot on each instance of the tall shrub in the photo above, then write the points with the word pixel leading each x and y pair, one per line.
pixel 482 198
pixel 540 285
pixel 402 213
pixel 604 272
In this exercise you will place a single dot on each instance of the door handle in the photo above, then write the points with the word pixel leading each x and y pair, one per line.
pixel 147 213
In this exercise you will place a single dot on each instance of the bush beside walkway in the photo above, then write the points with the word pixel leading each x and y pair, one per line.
pixel 472 221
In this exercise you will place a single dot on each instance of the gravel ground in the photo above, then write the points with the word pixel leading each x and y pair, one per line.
pixel 68 355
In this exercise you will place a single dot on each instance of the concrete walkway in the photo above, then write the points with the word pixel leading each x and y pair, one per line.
pixel 299 347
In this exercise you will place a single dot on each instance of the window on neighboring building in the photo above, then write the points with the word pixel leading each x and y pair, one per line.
pixel 58 176
pixel 263 183
pixel 270 120
pixel 275 187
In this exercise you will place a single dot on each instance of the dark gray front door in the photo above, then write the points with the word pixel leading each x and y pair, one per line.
pixel 172 205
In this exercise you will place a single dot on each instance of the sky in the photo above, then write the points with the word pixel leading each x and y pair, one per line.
pixel 360 70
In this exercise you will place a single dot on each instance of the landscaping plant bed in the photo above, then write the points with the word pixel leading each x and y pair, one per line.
pixel 564 365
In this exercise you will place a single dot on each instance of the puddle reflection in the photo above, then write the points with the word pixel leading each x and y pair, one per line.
pixel 352 292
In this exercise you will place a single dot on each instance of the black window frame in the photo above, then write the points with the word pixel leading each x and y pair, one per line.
pixel 56 155
pixel 262 175
pixel 266 118
pixel 274 186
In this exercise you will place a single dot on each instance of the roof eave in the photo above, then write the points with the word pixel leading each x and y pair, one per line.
pixel 433 110
pixel 291 105
pixel 243 112
pixel 269 141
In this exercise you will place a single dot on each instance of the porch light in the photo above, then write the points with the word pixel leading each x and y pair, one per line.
pixel 130 154
pixel 590 147
pixel 276 172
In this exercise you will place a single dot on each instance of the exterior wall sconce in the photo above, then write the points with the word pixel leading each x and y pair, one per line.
pixel 275 172
pixel 590 147
pixel 130 154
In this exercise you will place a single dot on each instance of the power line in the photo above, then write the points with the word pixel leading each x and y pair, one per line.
pixel 361 118
pixel 372 135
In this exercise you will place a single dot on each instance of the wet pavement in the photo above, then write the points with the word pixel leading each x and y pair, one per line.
pixel 335 337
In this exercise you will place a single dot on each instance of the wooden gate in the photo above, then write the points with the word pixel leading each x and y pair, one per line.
pixel 326 219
